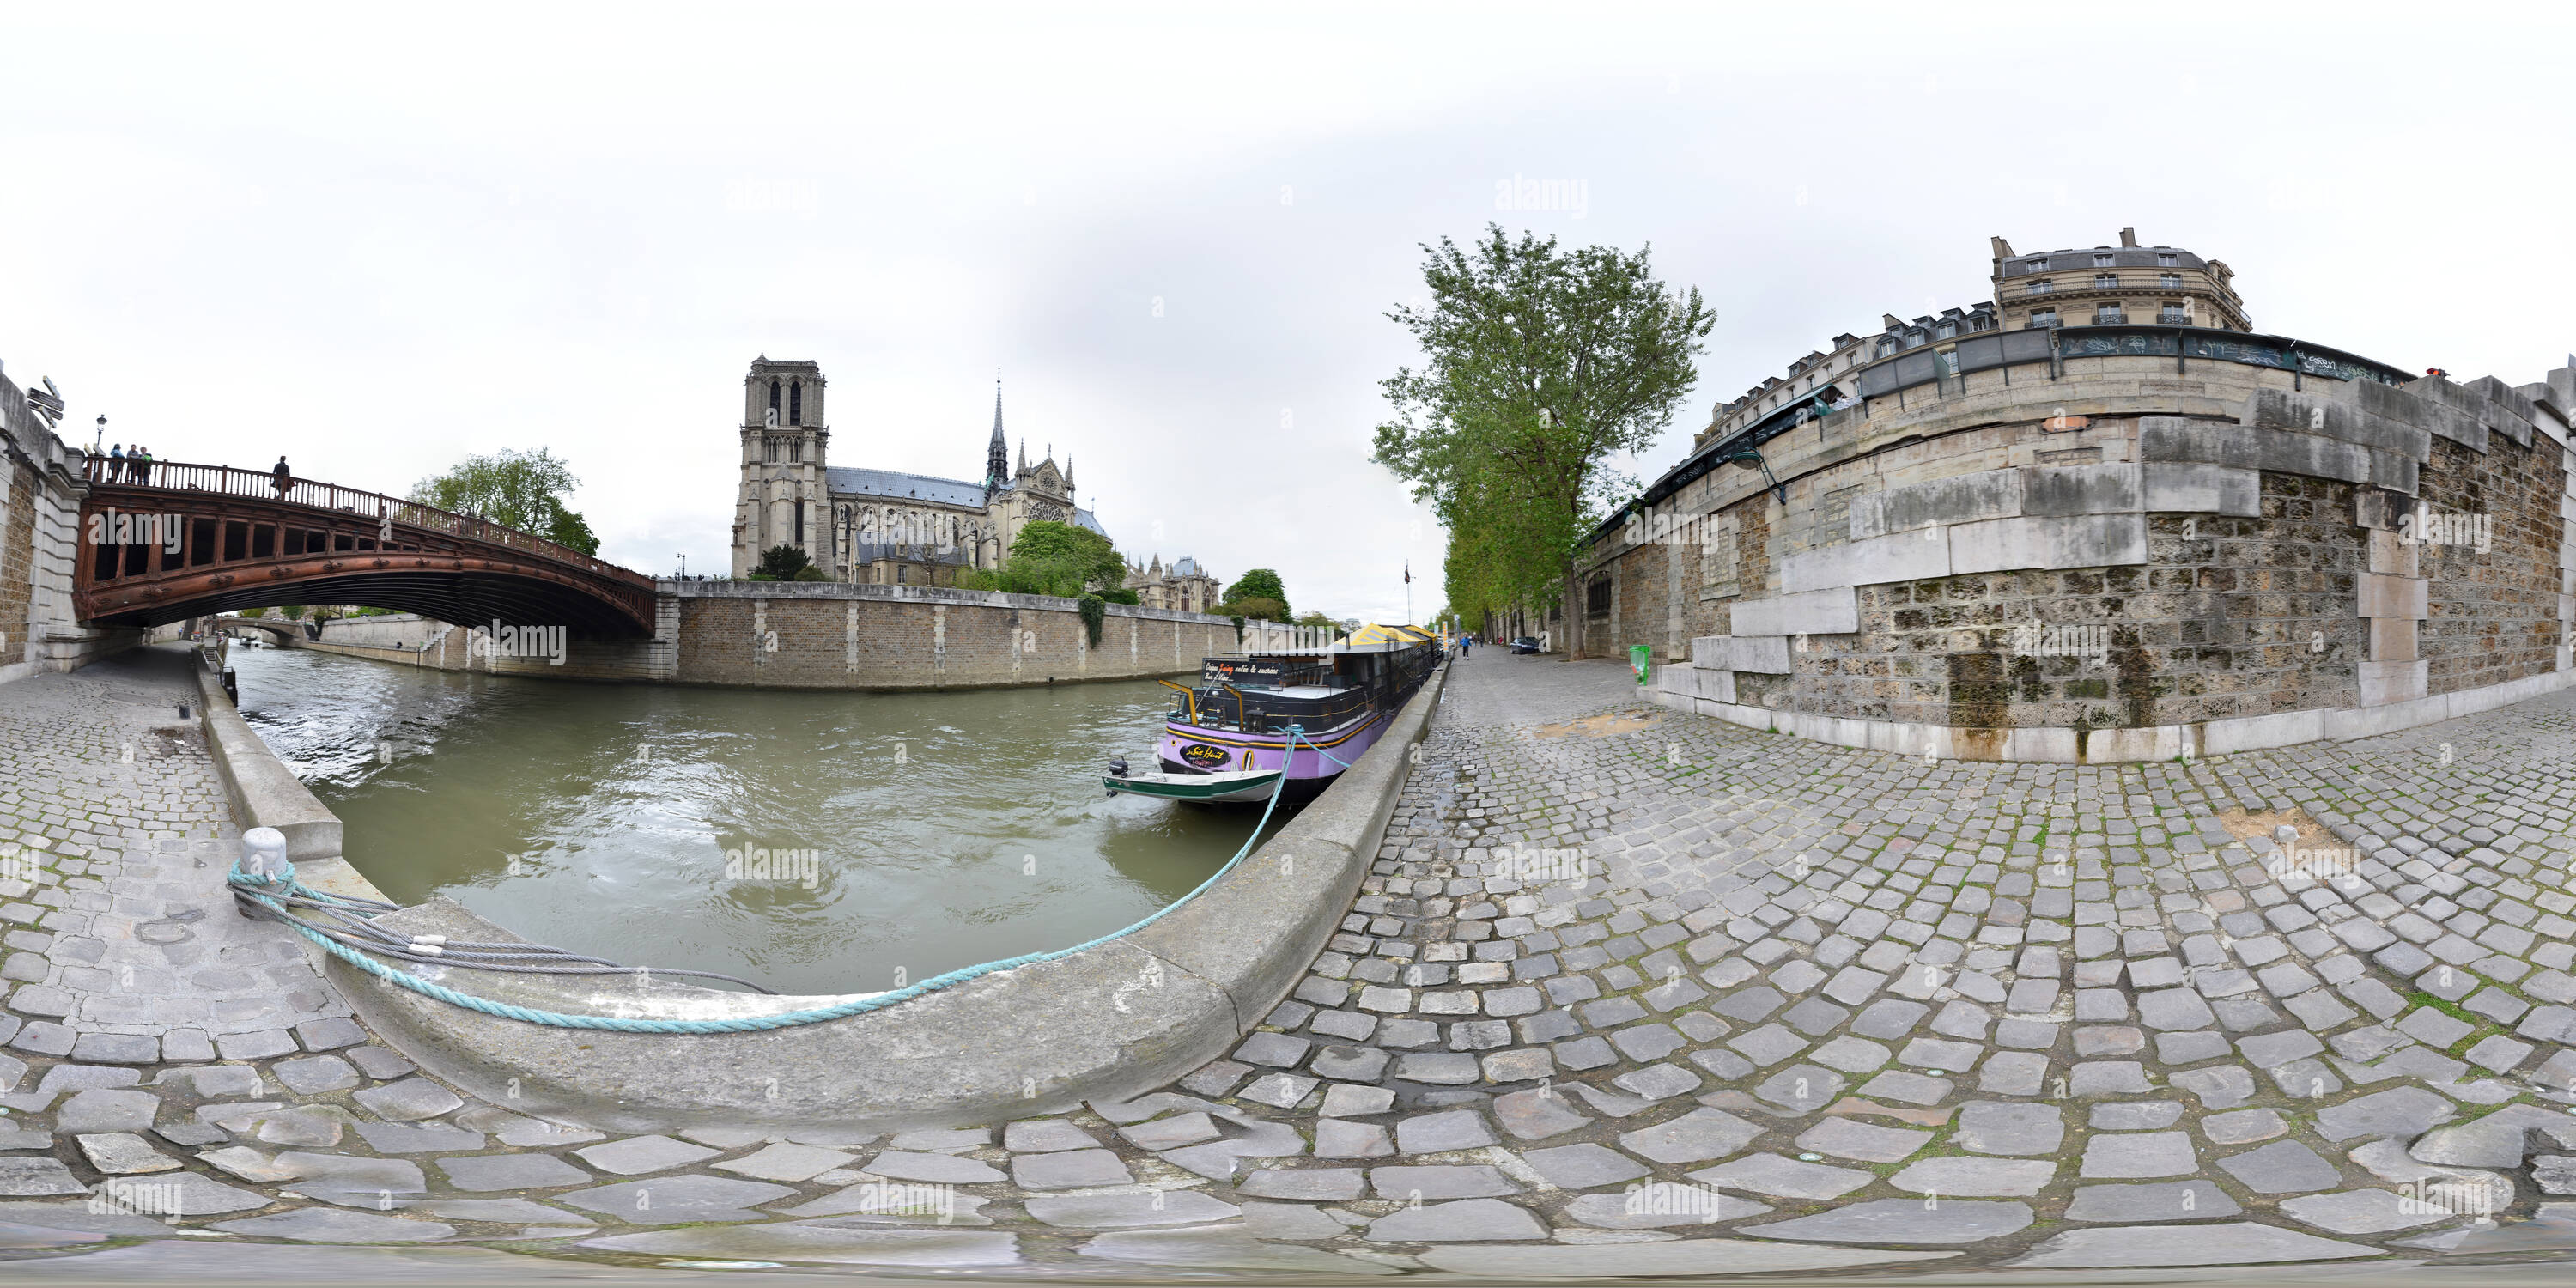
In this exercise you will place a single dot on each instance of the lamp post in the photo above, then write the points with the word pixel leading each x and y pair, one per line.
pixel 684 565
pixel 101 436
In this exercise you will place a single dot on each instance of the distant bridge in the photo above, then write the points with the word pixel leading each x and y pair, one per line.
pixel 285 630
pixel 177 541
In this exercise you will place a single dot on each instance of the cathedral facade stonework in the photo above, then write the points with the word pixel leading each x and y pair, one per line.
pixel 872 526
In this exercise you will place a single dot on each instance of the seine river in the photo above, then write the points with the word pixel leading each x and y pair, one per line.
pixel 903 834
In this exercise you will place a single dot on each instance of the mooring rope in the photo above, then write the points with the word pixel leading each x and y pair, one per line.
pixel 275 893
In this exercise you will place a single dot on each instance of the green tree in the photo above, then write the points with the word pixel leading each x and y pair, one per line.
pixel 1259 586
pixel 1258 607
pixel 1050 558
pixel 1318 619
pixel 522 490
pixel 780 563
pixel 292 612
pixel 565 528
pixel 1540 366
pixel 254 613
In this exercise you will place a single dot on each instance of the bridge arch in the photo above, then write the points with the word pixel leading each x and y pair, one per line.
pixel 176 541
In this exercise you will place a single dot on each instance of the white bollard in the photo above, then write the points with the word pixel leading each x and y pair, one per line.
pixel 263 852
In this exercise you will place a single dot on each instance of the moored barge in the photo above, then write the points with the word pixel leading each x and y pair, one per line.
pixel 1340 697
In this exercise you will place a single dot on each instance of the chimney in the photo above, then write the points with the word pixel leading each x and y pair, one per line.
pixel 2003 249
pixel 1891 320
pixel 2128 236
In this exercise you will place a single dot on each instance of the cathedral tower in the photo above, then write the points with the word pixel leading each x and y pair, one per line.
pixel 782 500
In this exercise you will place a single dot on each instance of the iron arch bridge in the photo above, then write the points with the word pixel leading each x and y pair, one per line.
pixel 171 541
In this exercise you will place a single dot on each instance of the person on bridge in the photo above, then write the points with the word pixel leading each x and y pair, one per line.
pixel 285 479
pixel 139 462
pixel 115 462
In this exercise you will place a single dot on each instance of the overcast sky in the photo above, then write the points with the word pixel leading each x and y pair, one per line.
pixel 377 238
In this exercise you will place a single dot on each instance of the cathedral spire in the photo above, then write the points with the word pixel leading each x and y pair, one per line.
pixel 997 456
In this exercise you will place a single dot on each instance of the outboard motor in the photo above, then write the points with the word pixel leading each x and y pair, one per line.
pixel 1118 766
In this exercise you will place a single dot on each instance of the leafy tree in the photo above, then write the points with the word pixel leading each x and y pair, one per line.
pixel 1318 619
pixel 565 528
pixel 1119 596
pixel 1260 583
pixel 522 490
pixel 254 613
pixel 1541 365
pixel 292 612
pixel 810 573
pixel 1259 607
pixel 978 579
pixel 781 563
pixel 1050 558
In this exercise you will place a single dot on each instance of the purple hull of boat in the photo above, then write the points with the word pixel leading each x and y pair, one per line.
pixel 1186 747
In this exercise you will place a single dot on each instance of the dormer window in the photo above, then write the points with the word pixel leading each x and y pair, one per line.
pixel 2035 266
pixel 1945 330
pixel 1886 345
pixel 2101 261
pixel 2168 261
pixel 1979 321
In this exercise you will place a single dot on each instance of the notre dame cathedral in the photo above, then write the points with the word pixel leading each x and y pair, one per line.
pixel 885 527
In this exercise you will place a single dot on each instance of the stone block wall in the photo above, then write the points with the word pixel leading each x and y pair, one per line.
pixel 2127 560
pixel 823 635
pixel 39 541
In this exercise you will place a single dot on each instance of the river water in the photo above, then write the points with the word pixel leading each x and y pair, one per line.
pixel 904 834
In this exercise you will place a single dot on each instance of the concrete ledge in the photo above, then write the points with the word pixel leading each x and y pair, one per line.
pixel 1906 556
pixel 1108 1022
pixel 2066 746
pixel 2074 541
pixel 263 791
pixel 1817 612
pixel 1760 654
pixel 2255 733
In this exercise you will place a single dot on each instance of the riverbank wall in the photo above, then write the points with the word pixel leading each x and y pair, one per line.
pixel 823 635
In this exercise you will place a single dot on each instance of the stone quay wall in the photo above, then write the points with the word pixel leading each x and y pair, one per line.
pixel 2118 558
pixel 827 635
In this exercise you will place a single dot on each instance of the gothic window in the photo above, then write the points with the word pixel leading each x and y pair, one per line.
pixel 773 396
pixel 796 403
pixel 773 451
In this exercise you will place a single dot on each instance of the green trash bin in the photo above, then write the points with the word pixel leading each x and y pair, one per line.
pixel 1641 656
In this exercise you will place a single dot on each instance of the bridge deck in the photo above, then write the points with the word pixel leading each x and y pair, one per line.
pixel 166 540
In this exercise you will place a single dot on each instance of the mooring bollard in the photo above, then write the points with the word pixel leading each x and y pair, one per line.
pixel 263 855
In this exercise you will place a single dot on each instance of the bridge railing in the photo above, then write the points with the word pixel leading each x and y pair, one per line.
pixel 224 480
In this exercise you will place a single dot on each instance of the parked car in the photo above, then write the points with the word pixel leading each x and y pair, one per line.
pixel 1525 644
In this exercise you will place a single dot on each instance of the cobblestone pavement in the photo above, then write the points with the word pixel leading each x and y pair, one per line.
pixel 1629 992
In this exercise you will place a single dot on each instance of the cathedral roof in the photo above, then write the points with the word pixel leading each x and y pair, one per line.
pixel 1185 567
pixel 897 485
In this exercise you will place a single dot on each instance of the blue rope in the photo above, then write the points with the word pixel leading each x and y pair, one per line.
pixel 258 887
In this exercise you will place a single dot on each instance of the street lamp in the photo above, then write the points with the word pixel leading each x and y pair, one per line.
pixel 684 565
pixel 1750 456
pixel 101 437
